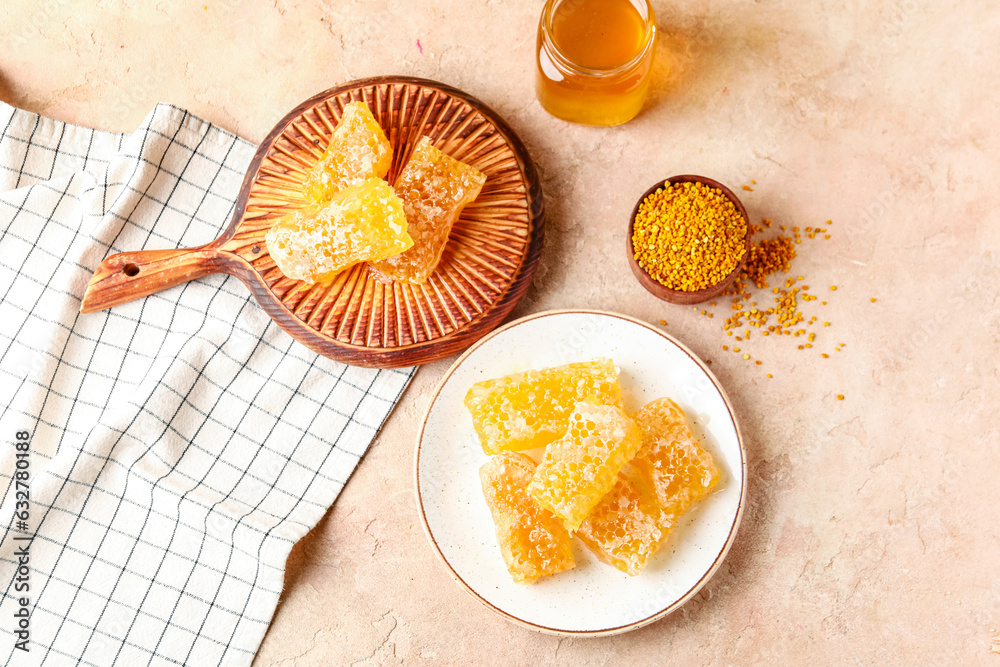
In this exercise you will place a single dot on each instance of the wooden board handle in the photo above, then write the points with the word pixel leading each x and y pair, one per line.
pixel 132 275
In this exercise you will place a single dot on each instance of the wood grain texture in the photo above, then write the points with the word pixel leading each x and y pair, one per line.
pixel 486 268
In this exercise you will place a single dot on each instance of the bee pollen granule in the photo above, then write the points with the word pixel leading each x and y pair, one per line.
pixel 688 236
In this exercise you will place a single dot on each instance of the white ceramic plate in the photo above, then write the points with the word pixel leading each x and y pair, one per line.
pixel 593 598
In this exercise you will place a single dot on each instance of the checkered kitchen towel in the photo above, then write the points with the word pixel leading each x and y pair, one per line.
pixel 178 445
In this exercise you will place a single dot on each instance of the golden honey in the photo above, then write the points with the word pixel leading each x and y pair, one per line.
pixel 594 59
pixel 358 151
pixel 533 408
pixel 626 528
pixel 434 188
pixel 671 461
pixel 363 222
pixel 532 540
pixel 582 466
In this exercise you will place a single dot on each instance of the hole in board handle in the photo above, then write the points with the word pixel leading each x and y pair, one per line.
pixel 130 270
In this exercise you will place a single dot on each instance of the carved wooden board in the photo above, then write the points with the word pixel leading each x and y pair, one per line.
pixel 486 267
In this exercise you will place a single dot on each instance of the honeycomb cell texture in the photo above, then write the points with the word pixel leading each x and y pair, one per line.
pixel 358 150
pixel 531 409
pixel 624 529
pixel 532 541
pixel 671 461
pixel 434 188
pixel 582 466
pixel 362 222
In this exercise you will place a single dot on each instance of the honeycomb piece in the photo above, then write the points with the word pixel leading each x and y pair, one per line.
pixel 533 542
pixel 583 465
pixel 358 151
pixel 671 462
pixel 362 222
pixel 625 529
pixel 531 409
pixel 434 188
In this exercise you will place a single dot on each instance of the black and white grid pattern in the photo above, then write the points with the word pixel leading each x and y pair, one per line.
pixel 180 444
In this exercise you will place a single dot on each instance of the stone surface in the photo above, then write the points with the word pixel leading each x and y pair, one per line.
pixel 871 534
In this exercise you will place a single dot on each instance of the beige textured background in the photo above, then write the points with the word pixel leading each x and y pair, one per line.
pixel 871 535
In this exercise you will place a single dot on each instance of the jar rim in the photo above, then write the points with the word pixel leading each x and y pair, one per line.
pixel 545 30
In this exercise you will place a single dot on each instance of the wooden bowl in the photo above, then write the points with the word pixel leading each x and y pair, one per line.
pixel 486 267
pixel 660 290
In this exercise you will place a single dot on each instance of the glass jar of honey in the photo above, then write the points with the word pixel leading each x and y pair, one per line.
pixel 594 59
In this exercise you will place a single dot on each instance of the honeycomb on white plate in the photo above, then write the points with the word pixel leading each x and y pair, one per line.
pixel 582 466
pixel 533 542
pixel 625 529
pixel 531 409
pixel 619 483
pixel 671 462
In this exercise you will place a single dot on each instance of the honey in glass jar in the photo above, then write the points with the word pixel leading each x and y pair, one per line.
pixel 594 59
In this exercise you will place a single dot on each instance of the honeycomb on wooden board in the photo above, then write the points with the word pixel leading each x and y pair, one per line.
pixel 531 409
pixel 360 223
pixel 358 150
pixel 625 528
pixel 671 462
pixel 582 466
pixel 532 541
pixel 434 188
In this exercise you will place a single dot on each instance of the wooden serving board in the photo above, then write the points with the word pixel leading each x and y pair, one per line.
pixel 486 267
